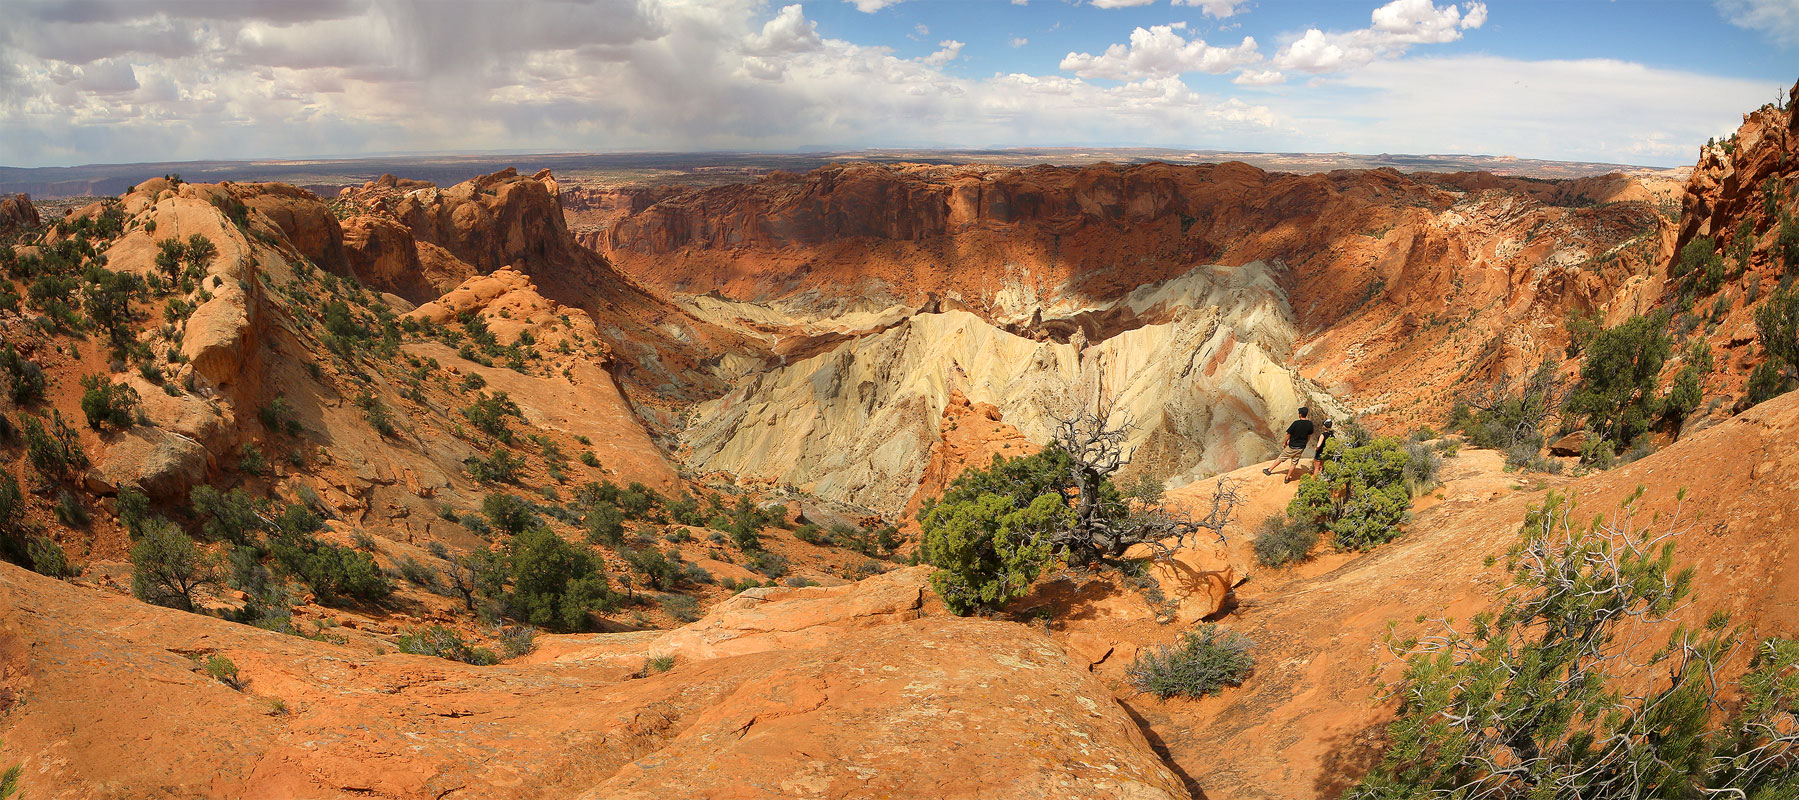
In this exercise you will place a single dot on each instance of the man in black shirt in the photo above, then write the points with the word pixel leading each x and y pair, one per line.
pixel 1297 435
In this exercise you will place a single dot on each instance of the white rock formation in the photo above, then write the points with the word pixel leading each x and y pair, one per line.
pixel 1196 362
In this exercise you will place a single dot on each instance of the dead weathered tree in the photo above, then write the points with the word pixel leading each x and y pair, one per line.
pixel 1106 521
pixel 1519 411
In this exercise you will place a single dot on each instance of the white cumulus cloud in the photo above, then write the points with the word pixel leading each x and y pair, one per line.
pixel 1160 51
pixel 871 6
pixel 1216 9
pixel 1395 27
pixel 1777 19
pixel 951 50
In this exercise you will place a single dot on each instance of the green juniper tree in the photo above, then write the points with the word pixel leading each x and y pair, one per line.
pixel 1565 692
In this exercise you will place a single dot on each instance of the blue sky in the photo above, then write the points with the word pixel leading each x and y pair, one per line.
pixel 1629 82
pixel 1689 35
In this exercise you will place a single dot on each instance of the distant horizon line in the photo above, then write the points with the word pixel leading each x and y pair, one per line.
pixel 808 151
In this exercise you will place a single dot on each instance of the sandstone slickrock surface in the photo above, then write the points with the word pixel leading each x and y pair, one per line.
pixel 833 695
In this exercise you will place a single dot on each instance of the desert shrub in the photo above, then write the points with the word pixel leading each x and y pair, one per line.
pixel 1200 663
pixel 198 253
pixel 106 403
pixel 251 460
pixel 298 520
pixel 1530 459
pixel 444 642
pixel 489 412
pixel 1281 541
pixel 54 451
pixel 340 323
pixel 1421 466
pixel 517 640
pixel 604 523
pixel 52 295
pixel 1698 267
pixel 1786 244
pixel 1616 394
pixel 810 534
pixel 46 557
pixel 221 669
pixel 660 571
pixel 1777 327
pixel 509 514
pixel 681 607
pixel 69 510
pixel 555 584
pixel 1542 697
pixel 1598 453
pixel 12 507
pixel 988 534
pixel 24 379
pixel 377 414
pixel 1687 393
pixel 498 467
pixel 773 565
pixel 107 296
pixel 333 572
pixel 1361 496
pixel 229 516
pixel 1504 418
pixel 133 508
pixel 1765 383
pixel 167 569
pixel 638 500
pixel 660 663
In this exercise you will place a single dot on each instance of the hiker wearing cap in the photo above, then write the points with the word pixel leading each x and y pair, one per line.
pixel 1297 435
pixel 1320 454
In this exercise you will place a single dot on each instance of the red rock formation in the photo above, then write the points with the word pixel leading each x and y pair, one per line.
pixel 17 212
pixel 1738 195
pixel 419 241
pixel 1365 251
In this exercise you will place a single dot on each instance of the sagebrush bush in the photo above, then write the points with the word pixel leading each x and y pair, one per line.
pixel 47 558
pixel 1200 663
pixel 517 640
pixel 681 607
pixel 1421 467
pixel 1281 541
pixel 444 642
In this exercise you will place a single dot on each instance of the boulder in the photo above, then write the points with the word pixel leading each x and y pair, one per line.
pixel 1570 445
pixel 218 335
pixel 156 462
pixel 17 212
